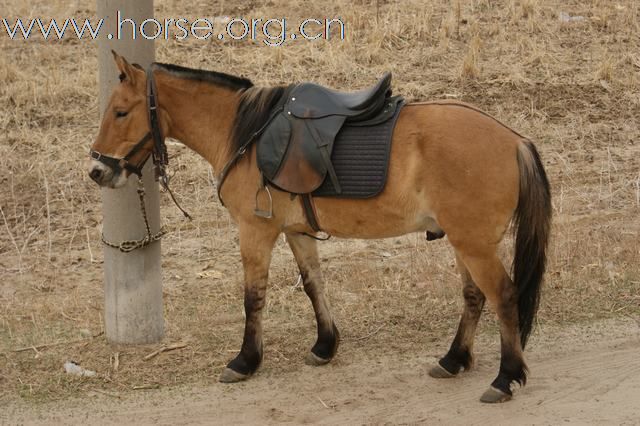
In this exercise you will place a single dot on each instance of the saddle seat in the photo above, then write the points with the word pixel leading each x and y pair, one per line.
pixel 294 150
pixel 310 100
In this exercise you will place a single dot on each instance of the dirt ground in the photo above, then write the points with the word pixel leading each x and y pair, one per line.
pixel 579 375
pixel 571 85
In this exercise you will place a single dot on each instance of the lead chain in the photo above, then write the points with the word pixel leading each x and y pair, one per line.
pixel 131 245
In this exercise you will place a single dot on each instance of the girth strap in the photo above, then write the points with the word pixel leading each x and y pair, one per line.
pixel 310 212
pixel 323 147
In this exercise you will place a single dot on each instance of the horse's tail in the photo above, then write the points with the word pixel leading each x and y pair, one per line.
pixel 532 220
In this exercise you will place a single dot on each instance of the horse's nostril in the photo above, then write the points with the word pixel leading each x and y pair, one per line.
pixel 96 174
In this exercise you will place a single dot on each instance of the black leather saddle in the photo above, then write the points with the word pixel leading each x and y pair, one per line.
pixel 294 151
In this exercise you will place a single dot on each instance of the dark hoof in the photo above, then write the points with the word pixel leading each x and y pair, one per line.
pixel 230 376
pixel 494 395
pixel 439 372
pixel 315 360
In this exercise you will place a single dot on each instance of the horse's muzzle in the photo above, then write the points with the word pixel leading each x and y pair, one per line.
pixel 104 175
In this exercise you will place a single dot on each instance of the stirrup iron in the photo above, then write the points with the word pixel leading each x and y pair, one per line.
pixel 266 214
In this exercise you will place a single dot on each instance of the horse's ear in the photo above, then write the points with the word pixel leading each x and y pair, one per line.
pixel 127 72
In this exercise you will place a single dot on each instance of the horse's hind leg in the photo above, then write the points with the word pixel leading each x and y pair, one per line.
pixel 256 244
pixel 460 354
pixel 491 278
pixel 305 251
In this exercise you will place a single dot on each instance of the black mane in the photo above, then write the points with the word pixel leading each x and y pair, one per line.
pixel 221 79
pixel 254 109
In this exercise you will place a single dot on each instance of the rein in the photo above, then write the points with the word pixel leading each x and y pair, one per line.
pixel 160 161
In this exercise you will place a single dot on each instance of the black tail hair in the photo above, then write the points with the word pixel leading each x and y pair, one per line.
pixel 532 220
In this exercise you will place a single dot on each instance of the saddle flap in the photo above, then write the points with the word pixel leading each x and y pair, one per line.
pixel 298 173
pixel 307 158
pixel 272 146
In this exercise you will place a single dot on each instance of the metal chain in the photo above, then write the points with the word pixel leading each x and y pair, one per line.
pixel 131 245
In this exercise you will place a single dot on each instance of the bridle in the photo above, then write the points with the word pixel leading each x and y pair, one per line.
pixel 159 151
pixel 160 161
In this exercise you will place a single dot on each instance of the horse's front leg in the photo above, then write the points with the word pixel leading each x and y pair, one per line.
pixel 256 245
pixel 305 251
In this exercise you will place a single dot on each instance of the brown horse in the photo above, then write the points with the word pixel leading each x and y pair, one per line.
pixel 453 169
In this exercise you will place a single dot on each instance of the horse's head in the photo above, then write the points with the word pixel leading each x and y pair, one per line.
pixel 124 143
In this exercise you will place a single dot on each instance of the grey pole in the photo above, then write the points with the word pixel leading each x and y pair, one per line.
pixel 132 281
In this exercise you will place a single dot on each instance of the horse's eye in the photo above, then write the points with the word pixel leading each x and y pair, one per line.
pixel 120 114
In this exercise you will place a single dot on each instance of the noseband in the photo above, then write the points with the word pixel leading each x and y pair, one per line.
pixel 159 151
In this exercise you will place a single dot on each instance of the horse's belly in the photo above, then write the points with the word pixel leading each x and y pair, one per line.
pixel 374 218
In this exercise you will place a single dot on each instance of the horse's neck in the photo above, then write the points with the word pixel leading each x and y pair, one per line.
pixel 201 116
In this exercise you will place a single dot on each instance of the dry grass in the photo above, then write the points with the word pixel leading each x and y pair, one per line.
pixel 572 87
pixel 472 58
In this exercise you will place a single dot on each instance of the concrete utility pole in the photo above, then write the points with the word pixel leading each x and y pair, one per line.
pixel 132 281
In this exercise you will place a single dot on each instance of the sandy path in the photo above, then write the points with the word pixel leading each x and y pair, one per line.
pixel 598 382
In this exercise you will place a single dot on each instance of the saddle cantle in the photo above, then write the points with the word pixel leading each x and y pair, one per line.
pixel 294 151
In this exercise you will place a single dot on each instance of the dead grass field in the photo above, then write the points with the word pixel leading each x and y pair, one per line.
pixel 573 87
